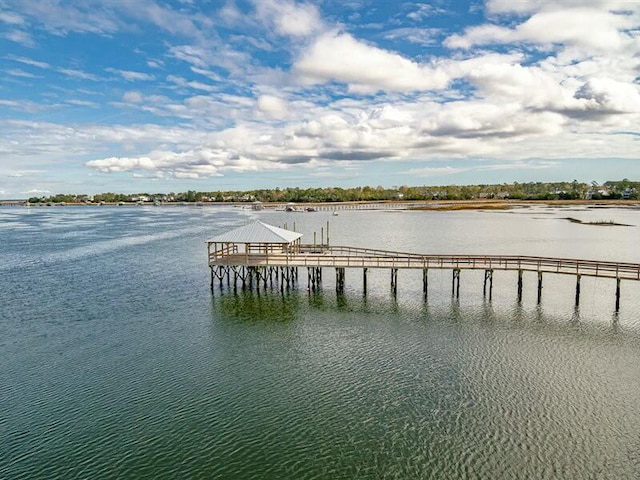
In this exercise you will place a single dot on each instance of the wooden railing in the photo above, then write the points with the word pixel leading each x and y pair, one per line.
pixel 342 256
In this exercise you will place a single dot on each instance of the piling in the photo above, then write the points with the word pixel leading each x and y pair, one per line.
pixel 488 278
pixel 539 287
pixel 455 286
pixel 519 285
pixel 394 280
pixel 364 278
pixel 425 281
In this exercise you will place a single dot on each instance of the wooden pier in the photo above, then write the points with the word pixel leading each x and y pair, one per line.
pixel 239 258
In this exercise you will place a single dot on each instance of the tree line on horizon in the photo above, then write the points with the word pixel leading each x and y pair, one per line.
pixel 516 191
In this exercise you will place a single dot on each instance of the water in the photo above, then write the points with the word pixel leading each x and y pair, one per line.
pixel 117 362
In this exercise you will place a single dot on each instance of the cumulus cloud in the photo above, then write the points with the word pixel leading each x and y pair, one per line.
pixel 523 7
pixel 272 106
pixel 289 18
pixel 366 69
pixel 567 82
pixel 590 28
pixel 605 95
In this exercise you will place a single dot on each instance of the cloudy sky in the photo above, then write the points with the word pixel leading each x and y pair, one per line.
pixel 172 95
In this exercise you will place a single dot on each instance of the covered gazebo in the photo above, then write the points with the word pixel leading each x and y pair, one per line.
pixel 256 239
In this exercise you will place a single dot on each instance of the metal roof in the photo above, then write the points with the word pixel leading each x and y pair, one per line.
pixel 257 232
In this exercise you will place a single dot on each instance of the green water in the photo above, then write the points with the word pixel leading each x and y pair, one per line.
pixel 117 362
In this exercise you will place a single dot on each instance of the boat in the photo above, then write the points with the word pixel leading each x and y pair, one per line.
pixel 335 214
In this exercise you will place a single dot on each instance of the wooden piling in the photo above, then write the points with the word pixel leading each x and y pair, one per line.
pixel 364 276
pixel 539 287
pixel 578 290
pixel 340 279
pixel 425 281
pixel 455 286
pixel 488 277
pixel 617 294
pixel 394 280
pixel 519 286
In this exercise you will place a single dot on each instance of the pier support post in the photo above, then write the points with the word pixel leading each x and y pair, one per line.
pixel 455 286
pixel 425 281
pixel 340 276
pixel 519 285
pixel 394 280
pixel 364 280
pixel 617 294
pixel 539 287
pixel 577 290
pixel 211 278
pixel 488 277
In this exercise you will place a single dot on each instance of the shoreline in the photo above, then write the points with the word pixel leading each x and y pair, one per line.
pixel 429 205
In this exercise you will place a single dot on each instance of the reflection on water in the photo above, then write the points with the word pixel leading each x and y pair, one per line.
pixel 251 306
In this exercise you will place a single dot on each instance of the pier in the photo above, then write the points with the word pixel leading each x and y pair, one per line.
pixel 264 253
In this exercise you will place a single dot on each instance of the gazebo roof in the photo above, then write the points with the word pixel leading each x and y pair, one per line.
pixel 257 232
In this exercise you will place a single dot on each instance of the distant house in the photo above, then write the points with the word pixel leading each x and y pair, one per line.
pixel 593 193
pixel 628 193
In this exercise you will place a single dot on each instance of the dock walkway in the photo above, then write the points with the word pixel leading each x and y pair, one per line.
pixel 353 257
pixel 264 252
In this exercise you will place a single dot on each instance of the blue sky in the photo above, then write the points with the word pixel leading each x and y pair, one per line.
pixel 159 96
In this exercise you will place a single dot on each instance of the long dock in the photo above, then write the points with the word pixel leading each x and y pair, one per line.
pixel 257 262
pixel 265 253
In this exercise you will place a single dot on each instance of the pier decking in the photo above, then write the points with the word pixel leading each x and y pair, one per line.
pixel 282 254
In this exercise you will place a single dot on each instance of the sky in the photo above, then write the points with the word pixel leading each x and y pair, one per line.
pixel 175 95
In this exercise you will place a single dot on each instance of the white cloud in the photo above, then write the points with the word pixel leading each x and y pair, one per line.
pixel 523 7
pixel 272 106
pixel 423 11
pixel 366 69
pixel 289 18
pixel 11 18
pixel 122 164
pixel 589 28
pixel 132 97
pixel 16 72
pixel 18 36
pixel 419 36
pixel 131 75
pixel 82 103
pixel 29 61
pixel 608 95
pixel 70 72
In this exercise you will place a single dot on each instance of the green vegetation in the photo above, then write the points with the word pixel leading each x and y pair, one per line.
pixel 610 190
pixel 602 223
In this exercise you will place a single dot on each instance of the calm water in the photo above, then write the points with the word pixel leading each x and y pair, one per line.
pixel 117 362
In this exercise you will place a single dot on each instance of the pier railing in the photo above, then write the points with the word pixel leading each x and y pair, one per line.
pixel 343 256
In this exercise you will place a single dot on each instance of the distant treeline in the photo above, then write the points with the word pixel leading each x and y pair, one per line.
pixel 622 189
